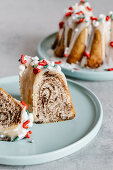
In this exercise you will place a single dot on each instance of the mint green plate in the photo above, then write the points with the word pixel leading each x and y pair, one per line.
pixel 54 140
pixel 83 74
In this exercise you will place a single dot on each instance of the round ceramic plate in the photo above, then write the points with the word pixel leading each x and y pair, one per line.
pixel 72 70
pixel 54 140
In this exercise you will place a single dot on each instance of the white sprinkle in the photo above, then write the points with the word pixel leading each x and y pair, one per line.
pixel 35 60
pixel 103 17
pixel 52 63
pixel 95 23
pixel 40 67
pixel 74 17
pixel 87 4
pixel 76 29
pixel 111 12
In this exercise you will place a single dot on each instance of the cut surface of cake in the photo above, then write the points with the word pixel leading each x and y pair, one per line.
pixel 15 120
pixel 84 38
pixel 44 88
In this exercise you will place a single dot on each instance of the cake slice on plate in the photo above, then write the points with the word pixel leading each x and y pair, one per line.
pixel 15 120
pixel 44 88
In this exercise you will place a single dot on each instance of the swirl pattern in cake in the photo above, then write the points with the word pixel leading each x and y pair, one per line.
pixel 15 120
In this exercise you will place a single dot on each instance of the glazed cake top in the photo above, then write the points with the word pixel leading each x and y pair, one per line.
pixel 37 65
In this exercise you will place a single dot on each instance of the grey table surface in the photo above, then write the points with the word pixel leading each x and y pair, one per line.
pixel 23 23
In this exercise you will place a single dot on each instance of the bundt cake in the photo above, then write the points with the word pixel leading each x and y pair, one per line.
pixel 84 38
pixel 44 88
pixel 15 120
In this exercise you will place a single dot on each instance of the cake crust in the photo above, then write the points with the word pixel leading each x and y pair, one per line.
pixel 96 58
pixel 78 48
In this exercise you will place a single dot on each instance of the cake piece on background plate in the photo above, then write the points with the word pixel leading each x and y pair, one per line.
pixel 84 39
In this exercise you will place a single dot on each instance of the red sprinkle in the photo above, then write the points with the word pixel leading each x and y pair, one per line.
pixel 110 69
pixel 76 69
pixel 70 8
pixel 25 124
pixel 93 18
pixel 82 1
pixel 22 59
pixel 28 134
pixel 111 43
pixel 80 12
pixel 107 18
pixel 61 24
pixel 81 20
pixel 43 63
pixel 68 14
pixel 58 62
pixel 65 55
pixel 24 104
pixel 86 54
pixel 88 8
pixel 36 70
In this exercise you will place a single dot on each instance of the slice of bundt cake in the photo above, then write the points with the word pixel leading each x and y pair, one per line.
pixel 44 88
pixel 83 38
pixel 15 120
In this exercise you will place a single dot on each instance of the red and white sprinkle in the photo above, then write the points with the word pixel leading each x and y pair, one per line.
pixel 36 70
pixel 111 43
pixel 86 54
pixel 58 62
pixel 22 59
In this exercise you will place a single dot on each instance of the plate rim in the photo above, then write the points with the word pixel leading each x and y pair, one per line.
pixel 82 73
pixel 59 153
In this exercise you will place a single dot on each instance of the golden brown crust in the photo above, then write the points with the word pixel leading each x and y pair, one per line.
pixel 95 59
pixel 26 87
pixel 69 37
pixel 55 42
pixel 78 48
pixel 60 120
pixel 59 52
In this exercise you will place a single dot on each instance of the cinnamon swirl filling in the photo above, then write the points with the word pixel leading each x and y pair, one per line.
pixel 53 101
pixel 10 112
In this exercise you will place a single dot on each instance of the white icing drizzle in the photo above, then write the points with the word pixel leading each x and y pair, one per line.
pixel 109 49
pixel 21 69
pixel 70 23
pixel 104 27
pixel 100 23
pixel 35 61
pixel 80 27
pixel 88 47
pixel 66 51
